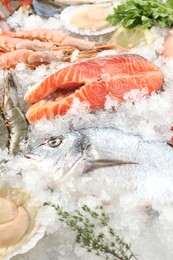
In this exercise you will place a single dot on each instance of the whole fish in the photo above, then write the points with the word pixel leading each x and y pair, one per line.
pixel 89 150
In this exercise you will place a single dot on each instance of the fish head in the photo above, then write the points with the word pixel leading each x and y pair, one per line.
pixel 57 154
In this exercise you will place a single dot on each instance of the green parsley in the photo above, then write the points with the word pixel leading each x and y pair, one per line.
pixel 94 233
pixel 147 13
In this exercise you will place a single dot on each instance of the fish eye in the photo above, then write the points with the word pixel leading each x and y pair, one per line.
pixel 54 142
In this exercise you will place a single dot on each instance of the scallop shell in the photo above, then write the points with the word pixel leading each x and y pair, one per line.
pixel 34 231
pixel 73 11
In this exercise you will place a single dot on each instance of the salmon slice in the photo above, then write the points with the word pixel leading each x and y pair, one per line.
pixel 92 80
pixel 98 69
pixel 66 78
pixel 95 94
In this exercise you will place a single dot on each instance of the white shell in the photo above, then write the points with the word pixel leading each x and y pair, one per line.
pixel 35 231
pixel 30 244
pixel 70 11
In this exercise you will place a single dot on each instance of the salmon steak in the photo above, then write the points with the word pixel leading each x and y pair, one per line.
pixel 91 80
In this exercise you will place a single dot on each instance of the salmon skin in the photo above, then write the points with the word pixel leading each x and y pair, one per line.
pixel 92 80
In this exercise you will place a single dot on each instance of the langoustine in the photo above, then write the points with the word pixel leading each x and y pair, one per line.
pixel 54 36
pixel 42 47
pixel 35 58
pixel 32 58
pixel 8 44
pixel 92 81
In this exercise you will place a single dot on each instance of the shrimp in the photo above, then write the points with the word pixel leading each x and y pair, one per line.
pixel 10 44
pixel 14 118
pixel 30 58
pixel 35 58
pixel 10 59
pixel 44 35
pixel 57 38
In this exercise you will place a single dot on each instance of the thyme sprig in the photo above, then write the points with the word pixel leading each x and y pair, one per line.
pixel 87 224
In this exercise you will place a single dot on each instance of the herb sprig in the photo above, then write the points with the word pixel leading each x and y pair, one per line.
pixel 147 13
pixel 87 223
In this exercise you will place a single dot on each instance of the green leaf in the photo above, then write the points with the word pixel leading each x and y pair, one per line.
pixel 143 12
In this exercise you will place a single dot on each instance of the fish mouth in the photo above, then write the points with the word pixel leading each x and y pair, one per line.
pixel 35 157
pixel 92 165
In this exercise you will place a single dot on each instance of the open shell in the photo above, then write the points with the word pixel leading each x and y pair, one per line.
pixel 87 19
pixel 17 236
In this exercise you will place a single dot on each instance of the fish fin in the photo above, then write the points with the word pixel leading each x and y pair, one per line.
pixel 92 165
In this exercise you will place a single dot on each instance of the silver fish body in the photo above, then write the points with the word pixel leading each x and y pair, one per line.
pixel 96 149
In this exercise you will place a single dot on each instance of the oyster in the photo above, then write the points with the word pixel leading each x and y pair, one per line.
pixel 19 230
pixel 87 19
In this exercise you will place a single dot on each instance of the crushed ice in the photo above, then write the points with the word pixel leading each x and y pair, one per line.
pixel 145 223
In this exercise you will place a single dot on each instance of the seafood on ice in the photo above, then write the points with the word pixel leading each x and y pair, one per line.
pixel 41 40
pixel 87 19
pixel 91 80
pixel 19 227
pixel 13 122
pixel 58 38
pixel 86 150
